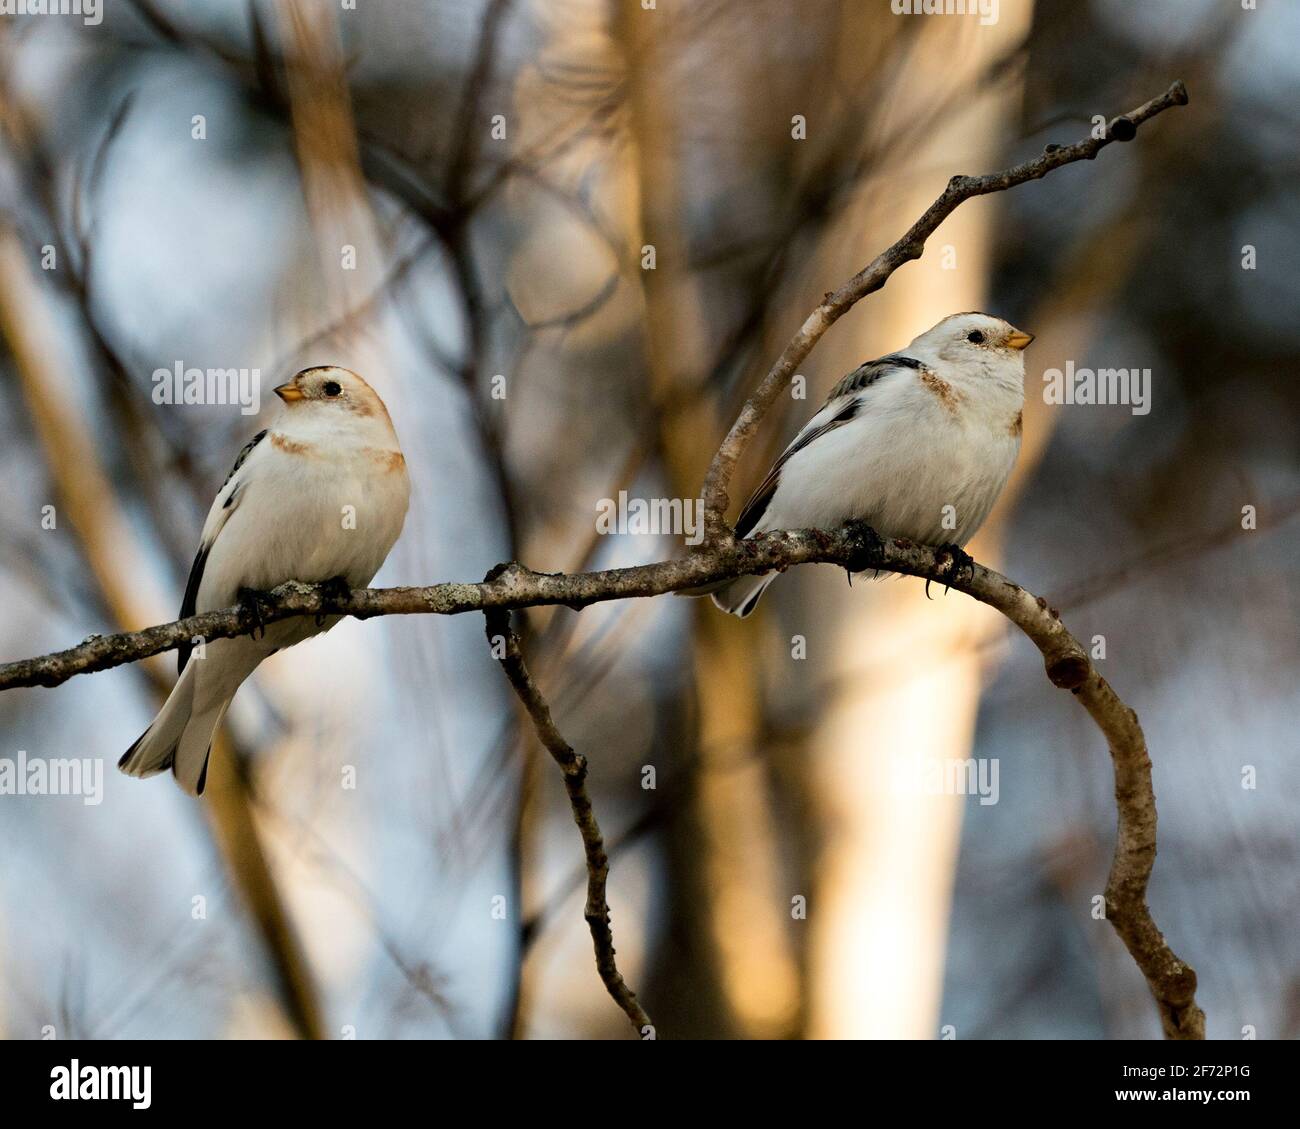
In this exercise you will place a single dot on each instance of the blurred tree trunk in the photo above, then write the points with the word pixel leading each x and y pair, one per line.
pixel 881 921
pixel 729 919
pixel 122 576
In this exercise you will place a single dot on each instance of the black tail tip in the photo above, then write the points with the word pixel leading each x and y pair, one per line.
pixel 126 756
pixel 203 773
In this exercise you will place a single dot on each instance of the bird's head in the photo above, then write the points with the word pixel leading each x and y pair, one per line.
pixel 329 387
pixel 975 342
pixel 330 399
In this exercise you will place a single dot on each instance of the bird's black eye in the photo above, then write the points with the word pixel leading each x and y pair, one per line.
pixel 333 387
pixel 975 337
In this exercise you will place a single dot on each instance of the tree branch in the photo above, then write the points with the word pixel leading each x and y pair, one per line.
pixel 876 273
pixel 856 548
pixel 574 767
pixel 515 586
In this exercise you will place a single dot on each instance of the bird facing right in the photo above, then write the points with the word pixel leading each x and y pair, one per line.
pixel 917 444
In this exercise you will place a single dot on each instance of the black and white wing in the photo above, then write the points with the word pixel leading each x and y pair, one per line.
pixel 226 502
pixel 845 401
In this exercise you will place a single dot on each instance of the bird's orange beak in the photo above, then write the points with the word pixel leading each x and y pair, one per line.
pixel 1017 340
pixel 288 392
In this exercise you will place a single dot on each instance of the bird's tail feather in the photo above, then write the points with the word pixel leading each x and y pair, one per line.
pixel 190 764
pixel 155 749
pixel 702 589
pixel 739 597
pixel 180 737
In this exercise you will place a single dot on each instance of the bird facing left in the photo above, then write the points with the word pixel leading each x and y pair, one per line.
pixel 321 495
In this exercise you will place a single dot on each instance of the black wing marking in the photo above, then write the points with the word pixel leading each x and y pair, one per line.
pixel 866 375
pixel 757 505
pixel 861 378
pixel 201 558
pixel 187 604
pixel 242 457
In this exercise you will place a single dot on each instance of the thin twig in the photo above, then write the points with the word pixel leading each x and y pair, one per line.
pixel 574 767
pixel 467 133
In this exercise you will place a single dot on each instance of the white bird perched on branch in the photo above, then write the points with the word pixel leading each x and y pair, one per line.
pixel 319 497
pixel 917 444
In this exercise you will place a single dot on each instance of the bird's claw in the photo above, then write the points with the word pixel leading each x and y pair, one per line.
pixel 866 550
pixel 336 589
pixel 962 562
pixel 255 605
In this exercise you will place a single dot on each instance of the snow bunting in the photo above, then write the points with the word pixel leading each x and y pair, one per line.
pixel 917 444
pixel 320 496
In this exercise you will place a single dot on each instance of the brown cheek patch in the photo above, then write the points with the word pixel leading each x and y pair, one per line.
pixel 388 461
pixel 1017 425
pixel 941 388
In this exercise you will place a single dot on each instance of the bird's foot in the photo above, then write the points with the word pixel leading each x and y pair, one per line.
pixel 962 562
pixel 336 589
pixel 255 605
pixel 865 548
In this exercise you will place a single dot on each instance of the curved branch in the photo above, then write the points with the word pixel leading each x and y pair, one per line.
pixel 855 547
pixel 512 587
pixel 876 273
pixel 574 767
